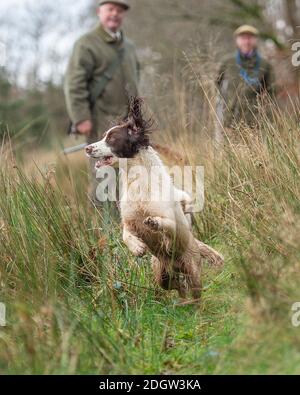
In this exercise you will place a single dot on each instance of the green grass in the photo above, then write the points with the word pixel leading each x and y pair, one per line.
pixel 79 302
pixel 79 305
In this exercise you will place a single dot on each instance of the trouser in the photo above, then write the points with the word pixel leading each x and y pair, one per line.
pixel 101 123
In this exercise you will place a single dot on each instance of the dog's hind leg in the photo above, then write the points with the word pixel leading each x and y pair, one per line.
pixel 166 280
pixel 192 273
pixel 160 274
pixel 211 255
pixel 134 244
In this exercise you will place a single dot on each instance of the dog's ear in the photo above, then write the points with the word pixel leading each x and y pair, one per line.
pixel 135 122
pixel 135 116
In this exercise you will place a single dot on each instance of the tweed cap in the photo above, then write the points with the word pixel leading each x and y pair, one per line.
pixel 246 29
pixel 123 3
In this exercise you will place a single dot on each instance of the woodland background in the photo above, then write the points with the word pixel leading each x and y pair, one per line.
pixel 176 40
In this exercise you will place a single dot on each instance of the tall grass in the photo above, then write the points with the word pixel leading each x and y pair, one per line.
pixel 79 302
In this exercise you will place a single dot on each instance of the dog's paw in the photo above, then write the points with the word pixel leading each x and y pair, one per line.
pixel 152 223
pixel 138 249
pixel 215 260
pixel 218 261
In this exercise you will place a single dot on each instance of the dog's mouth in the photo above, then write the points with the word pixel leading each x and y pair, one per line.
pixel 109 160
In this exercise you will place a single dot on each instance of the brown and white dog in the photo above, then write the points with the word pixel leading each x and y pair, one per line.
pixel 157 226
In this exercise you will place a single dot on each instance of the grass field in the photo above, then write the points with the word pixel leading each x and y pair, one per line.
pixel 79 303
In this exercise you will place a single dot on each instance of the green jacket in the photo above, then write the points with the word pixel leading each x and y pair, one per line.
pixel 91 56
pixel 239 98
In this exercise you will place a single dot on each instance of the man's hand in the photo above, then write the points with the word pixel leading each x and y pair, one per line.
pixel 85 127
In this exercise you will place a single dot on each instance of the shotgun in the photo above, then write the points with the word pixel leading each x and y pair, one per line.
pixel 72 150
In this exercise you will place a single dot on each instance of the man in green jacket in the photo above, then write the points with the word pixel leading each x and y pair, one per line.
pixel 243 79
pixel 102 57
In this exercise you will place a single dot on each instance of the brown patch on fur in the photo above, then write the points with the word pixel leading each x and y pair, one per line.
pixel 122 143
pixel 133 134
pixel 136 121
pixel 169 153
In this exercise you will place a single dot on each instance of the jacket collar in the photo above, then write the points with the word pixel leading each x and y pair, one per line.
pixel 250 61
pixel 109 38
pixel 252 55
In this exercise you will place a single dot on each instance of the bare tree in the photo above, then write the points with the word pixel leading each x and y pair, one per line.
pixel 39 36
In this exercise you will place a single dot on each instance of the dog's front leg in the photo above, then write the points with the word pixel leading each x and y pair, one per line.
pixel 159 223
pixel 134 244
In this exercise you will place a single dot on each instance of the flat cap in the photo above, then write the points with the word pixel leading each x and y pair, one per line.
pixel 123 3
pixel 246 29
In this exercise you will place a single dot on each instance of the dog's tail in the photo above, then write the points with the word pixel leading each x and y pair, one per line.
pixel 168 153
pixel 211 255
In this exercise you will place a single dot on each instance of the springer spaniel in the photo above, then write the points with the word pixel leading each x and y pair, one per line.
pixel 157 226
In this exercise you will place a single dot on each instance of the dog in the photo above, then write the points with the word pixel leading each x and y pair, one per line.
pixel 156 226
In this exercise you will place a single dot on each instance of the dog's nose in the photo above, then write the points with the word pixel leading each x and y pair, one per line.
pixel 89 149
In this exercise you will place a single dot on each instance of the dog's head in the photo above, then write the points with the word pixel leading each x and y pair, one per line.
pixel 124 140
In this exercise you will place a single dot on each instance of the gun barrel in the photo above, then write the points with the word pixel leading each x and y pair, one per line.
pixel 72 150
